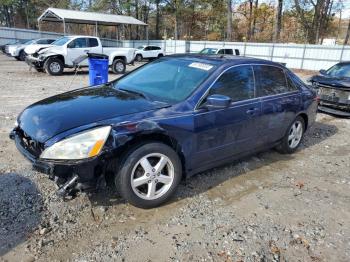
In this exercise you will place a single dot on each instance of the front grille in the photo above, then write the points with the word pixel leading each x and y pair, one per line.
pixel 333 94
pixel 34 147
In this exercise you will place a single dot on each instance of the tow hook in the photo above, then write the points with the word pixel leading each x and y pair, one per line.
pixel 65 189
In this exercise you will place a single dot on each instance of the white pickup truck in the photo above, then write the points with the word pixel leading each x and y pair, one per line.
pixel 67 50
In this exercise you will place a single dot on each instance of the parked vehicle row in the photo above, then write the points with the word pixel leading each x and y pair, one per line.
pixel 167 120
pixel 52 56
pixel 18 50
pixel 66 51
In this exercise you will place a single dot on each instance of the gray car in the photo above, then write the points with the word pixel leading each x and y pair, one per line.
pixel 17 50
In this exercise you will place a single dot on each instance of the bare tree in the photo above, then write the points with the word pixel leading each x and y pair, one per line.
pixel 229 21
pixel 347 35
pixel 256 5
pixel 278 26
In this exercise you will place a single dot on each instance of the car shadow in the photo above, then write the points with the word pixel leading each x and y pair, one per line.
pixel 209 179
pixel 20 210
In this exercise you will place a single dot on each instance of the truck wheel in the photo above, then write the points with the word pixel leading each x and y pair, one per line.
pixel 22 55
pixel 118 66
pixel 292 139
pixel 138 58
pixel 149 175
pixel 160 55
pixel 54 66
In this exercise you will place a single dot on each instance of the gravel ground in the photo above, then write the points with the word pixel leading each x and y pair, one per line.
pixel 268 207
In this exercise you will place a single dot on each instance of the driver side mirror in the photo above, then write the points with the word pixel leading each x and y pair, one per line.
pixel 217 102
pixel 323 72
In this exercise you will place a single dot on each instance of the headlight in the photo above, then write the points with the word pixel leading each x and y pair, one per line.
pixel 84 145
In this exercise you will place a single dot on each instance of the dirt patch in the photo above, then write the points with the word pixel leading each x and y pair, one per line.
pixel 267 207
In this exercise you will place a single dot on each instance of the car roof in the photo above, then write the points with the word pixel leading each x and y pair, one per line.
pixel 224 59
pixel 344 63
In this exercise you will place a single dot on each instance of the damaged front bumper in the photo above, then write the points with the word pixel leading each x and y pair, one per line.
pixel 71 176
pixel 334 101
pixel 335 106
pixel 34 61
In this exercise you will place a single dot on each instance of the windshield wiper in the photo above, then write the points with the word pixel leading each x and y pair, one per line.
pixel 134 92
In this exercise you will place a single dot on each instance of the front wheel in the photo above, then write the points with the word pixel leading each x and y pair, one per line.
pixel 54 66
pixel 118 66
pixel 149 175
pixel 292 139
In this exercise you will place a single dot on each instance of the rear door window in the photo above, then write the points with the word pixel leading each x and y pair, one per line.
pixel 93 42
pixel 271 80
pixel 236 83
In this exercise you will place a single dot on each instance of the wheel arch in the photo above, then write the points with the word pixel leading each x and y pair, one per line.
pixel 140 139
pixel 305 118
pixel 119 57
pixel 61 57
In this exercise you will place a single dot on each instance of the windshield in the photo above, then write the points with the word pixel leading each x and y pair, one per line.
pixel 140 47
pixel 168 80
pixel 61 41
pixel 339 70
pixel 29 42
pixel 209 51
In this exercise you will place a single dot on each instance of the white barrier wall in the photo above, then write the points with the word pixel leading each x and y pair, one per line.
pixel 299 56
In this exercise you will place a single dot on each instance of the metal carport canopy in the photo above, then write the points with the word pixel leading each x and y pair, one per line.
pixel 82 17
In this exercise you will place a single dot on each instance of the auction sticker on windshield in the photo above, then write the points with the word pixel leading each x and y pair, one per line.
pixel 201 66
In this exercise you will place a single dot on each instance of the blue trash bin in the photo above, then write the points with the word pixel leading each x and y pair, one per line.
pixel 98 69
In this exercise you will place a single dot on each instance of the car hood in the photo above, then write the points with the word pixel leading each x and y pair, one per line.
pixel 54 115
pixel 31 49
pixel 12 47
pixel 52 49
pixel 342 82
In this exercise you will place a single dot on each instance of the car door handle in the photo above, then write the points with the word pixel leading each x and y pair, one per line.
pixel 252 111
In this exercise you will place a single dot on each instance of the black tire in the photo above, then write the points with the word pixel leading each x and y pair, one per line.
pixel 22 55
pixel 123 178
pixel 17 58
pixel 118 66
pixel 138 58
pixel 54 66
pixel 286 147
pixel 160 55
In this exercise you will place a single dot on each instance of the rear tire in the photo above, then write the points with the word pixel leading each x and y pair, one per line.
pixel 138 58
pixel 118 66
pixel 54 66
pixel 22 55
pixel 293 137
pixel 160 55
pixel 149 175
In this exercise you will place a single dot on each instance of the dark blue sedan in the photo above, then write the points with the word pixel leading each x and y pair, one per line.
pixel 165 121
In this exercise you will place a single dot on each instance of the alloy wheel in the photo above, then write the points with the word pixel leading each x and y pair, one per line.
pixel 55 67
pixel 152 176
pixel 295 134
